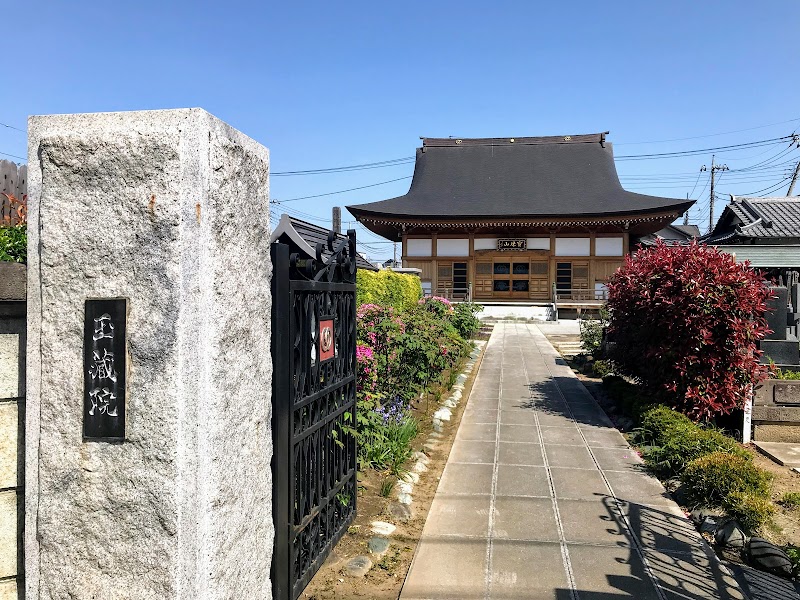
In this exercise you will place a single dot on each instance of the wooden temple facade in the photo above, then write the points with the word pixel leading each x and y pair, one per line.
pixel 517 219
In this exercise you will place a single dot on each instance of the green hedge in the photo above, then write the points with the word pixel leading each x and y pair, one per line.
pixel 731 482
pixel 387 288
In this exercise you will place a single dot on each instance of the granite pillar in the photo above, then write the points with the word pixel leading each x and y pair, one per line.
pixel 168 210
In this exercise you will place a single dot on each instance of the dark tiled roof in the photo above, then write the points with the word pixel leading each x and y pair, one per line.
pixel 690 230
pixel 305 236
pixel 679 234
pixel 759 218
pixel 527 177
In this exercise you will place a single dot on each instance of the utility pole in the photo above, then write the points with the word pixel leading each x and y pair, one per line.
pixel 714 169
pixel 794 179
pixel 686 214
pixel 395 254
pixel 336 217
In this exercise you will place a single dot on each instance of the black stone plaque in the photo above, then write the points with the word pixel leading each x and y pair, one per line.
pixel 104 357
pixel 512 244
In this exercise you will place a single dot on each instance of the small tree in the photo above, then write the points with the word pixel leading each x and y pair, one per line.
pixel 685 321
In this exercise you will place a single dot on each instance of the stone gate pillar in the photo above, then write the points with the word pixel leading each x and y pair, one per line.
pixel 148 434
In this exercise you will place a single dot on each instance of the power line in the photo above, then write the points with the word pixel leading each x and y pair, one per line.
pixel 375 165
pixel 14 128
pixel 697 137
pixel 363 187
pixel 702 150
pixel 766 189
pixel 13 155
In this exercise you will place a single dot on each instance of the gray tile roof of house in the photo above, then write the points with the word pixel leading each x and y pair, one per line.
pixel 305 236
pixel 521 177
pixel 759 218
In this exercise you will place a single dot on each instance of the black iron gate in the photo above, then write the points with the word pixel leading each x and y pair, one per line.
pixel 314 396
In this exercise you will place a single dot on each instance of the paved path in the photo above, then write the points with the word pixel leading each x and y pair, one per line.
pixel 542 498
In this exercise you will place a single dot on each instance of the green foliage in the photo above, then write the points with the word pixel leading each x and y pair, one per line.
pixel 387 485
pixel 781 374
pixel 602 368
pixel 751 510
pixel 385 444
pixel 465 319
pixel 791 500
pixel 627 396
pixel 793 552
pixel 14 244
pixel 592 332
pixel 726 480
pixel 387 288
pixel 672 441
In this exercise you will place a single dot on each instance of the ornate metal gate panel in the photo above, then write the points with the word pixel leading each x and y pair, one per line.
pixel 314 398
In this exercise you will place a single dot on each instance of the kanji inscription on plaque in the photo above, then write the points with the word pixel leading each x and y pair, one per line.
pixel 104 356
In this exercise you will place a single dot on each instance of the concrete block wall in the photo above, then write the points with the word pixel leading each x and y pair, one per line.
pixel 12 427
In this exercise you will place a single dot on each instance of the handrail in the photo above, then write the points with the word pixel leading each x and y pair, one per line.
pixel 580 294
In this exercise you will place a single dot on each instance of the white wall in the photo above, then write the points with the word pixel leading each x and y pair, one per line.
pixel 449 247
pixel 538 243
pixel 485 243
pixel 419 247
pixel 611 246
pixel 572 247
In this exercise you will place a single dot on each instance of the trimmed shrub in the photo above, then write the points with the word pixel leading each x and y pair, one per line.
pixel 685 321
pixel 592 332
pixel 465 320
pixel 712 480
pixel 602 368
pixel 658 425
pixel 672 440
pixel 751 510
pixel 387 288
pixel 627 396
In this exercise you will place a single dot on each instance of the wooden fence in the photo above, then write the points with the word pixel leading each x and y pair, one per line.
pixel 13 180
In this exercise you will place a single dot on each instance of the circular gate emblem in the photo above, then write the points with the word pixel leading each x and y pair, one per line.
pixel 326 340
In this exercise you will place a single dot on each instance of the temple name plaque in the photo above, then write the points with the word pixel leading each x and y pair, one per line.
pixel 512 244
pixel 104 369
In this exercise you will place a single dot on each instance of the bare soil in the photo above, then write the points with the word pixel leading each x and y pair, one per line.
pixel 385 579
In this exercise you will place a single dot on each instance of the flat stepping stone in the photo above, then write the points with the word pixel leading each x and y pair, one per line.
pixel 429 447
pixel 401 512
pixel 421 457
pixel 410 477
pixel 405 487
pixel 358 566
pixel 378 546
pixel 382 528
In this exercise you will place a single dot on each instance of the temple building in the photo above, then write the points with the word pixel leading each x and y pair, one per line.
pixel 534 219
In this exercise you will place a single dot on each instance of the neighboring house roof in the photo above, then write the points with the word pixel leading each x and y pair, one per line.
pixel 305 236
pixel 566 176
pixel 758 218
pixel 671 234
pixel 690 230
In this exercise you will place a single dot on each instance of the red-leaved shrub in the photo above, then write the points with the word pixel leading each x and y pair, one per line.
pixel 685 321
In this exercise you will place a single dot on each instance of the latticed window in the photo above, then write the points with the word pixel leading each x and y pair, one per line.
pixel 539 268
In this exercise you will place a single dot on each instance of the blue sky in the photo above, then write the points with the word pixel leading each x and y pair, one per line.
pixel 326 84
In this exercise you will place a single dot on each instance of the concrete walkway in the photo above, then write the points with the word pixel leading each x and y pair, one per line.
pixel 542 498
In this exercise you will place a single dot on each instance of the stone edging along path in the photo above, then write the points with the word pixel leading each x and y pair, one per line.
pixel 380 544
